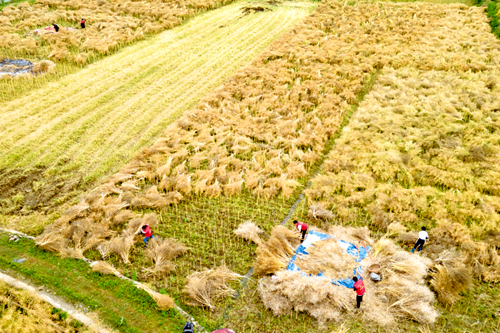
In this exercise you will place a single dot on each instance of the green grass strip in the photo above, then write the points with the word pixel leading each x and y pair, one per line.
pixel 118 303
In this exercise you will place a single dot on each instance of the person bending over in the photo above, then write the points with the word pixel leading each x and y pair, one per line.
pixel 301 227
pixel 422 237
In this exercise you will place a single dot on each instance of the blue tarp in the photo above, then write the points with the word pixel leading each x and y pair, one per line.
pixel 314 236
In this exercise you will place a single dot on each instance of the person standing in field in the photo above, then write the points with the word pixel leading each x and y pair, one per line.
pixel 82 24
pixel 300 227
pixel 359 287
pixel 422 237
pixel 147 232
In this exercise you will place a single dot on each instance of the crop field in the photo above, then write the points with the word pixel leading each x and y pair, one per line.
pixel 394 104
pixel 59 139
pixel 22 312
pixel 109 26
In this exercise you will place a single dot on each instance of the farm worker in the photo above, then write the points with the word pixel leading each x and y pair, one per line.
pixel 301 227
pixel 147 232
pixel 56 27
pixel 82 24
pixel 359 287
pixel 422 236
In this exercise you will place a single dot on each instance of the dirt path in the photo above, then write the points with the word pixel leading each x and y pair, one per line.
pixel 88 124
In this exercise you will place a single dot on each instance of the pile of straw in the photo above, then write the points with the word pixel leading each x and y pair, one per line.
pixel 162 252
pixel 402 293
pixel 164 302
pixel 104 268
pixel 205 288
pixel 275 254
pixel 250 231
pixel 327 257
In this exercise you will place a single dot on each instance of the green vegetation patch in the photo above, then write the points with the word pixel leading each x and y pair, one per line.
pixel 118 303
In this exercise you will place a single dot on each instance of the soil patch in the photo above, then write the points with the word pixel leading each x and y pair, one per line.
pixel 21 191
pixel 254 9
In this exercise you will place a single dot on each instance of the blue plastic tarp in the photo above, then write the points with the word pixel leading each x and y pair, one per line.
pixel 314 236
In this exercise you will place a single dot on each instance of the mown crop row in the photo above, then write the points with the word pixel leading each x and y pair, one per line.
pixel 109 25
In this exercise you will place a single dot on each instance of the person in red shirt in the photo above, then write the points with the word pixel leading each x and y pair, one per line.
pixel 301 227
pixel 148 233
pixel 82 24
pixel 359 287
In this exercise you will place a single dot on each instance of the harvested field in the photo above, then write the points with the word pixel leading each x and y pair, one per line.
pixel 109 25
pixel 421 159
pixel 422 147
pixel 245 152
pixel 73 132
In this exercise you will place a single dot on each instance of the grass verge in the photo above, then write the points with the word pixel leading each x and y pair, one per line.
pixel 118 303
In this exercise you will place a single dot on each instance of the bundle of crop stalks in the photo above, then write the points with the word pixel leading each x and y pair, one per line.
pixel 206 287
pixel 250 231
pixel 402 293
pixel 274 254
pixel 162 252
pixel 449 277
pixel 163 301
pixel 104 268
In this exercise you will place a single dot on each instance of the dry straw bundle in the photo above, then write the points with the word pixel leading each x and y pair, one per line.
pixel 402 294
pixel 162 252
pixel 250 231
pixel 104 268
pixel 163 301
pixel 206 287
pixel 274 254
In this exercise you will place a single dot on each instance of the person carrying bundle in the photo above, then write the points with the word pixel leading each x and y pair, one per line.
pixel 300 227
pixel 359 287
pixel 422 237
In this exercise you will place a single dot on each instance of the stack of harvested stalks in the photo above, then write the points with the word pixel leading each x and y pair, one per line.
pixel 205 288
pixel 457 259
pixel 274 254
pixel 402 293
pixel 249 231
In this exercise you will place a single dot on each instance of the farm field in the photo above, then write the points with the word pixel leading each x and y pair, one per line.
pixel 22 312
pixel 393 103
pixel 61 138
